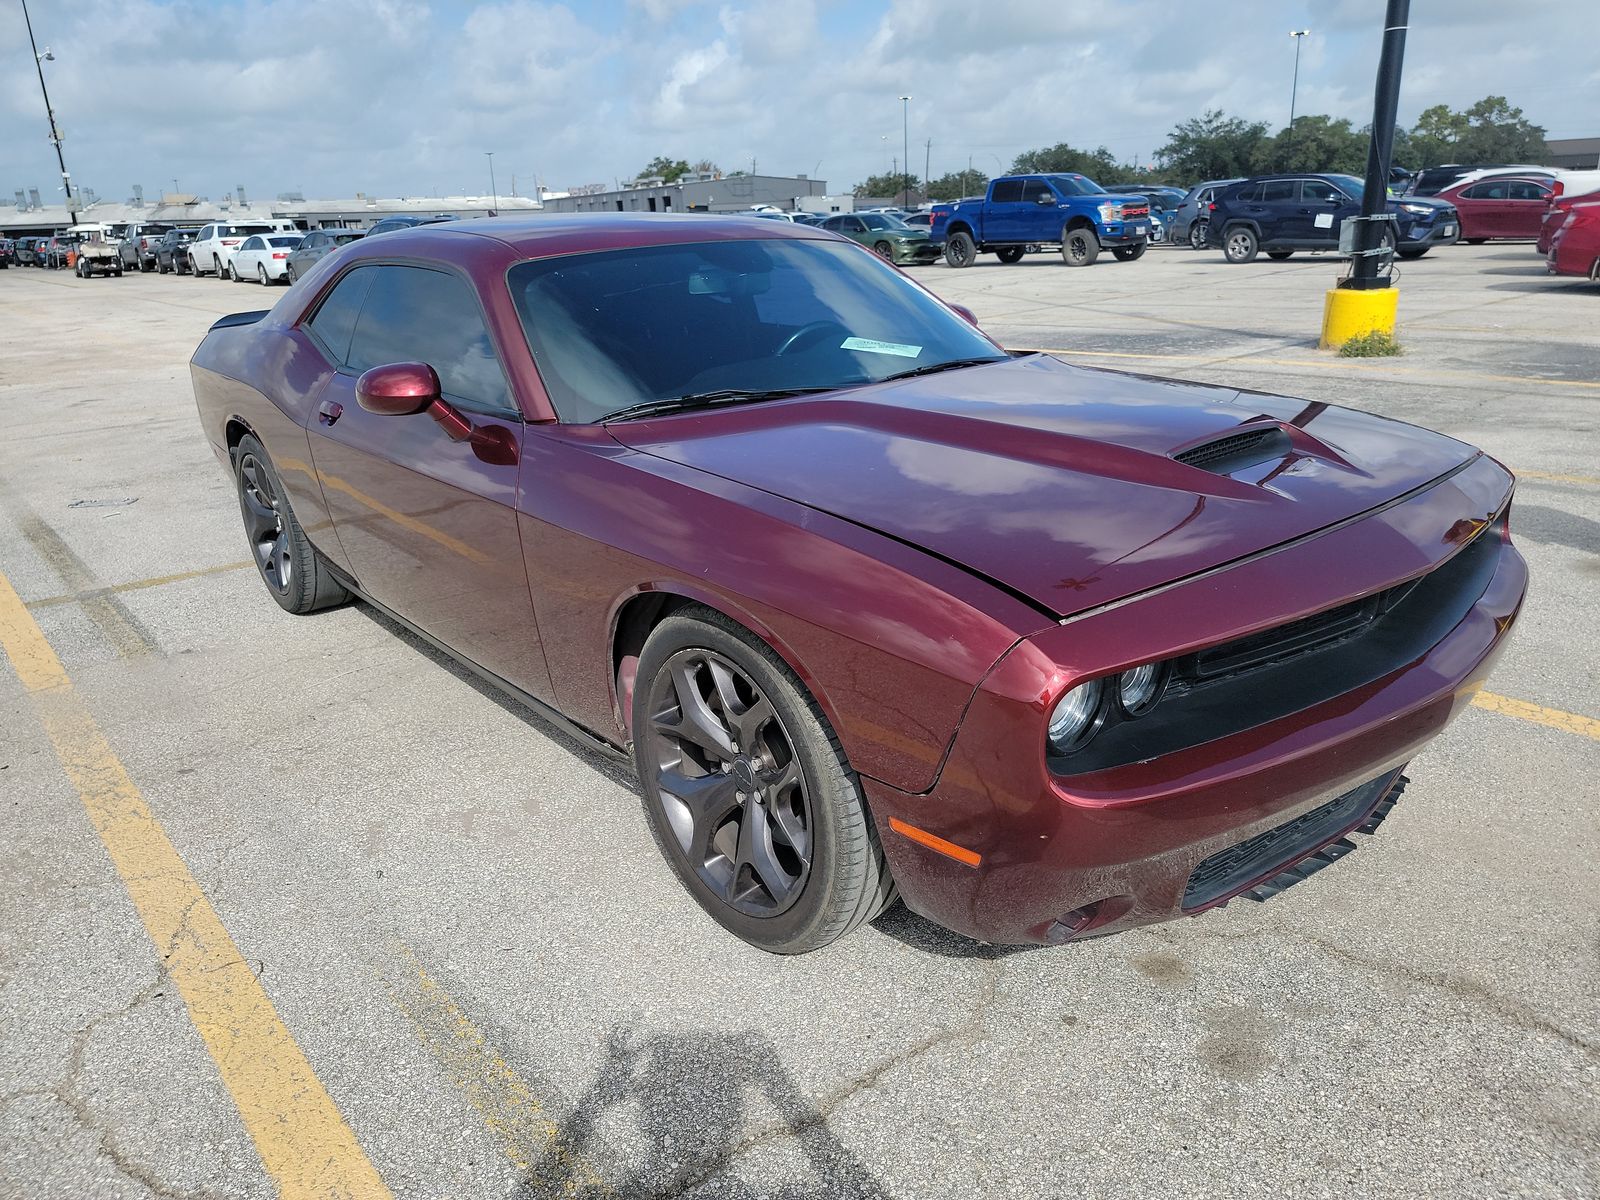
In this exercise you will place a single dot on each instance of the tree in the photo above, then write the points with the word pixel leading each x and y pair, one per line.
pixel 1316 143
pixel 706 167
pixel 1213 146
pixel 1492 130
pixel 668 169
pixel 1062 159
pixel 888 186
pixel 958 184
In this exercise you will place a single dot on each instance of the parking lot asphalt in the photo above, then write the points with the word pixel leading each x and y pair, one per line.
pixel 259 864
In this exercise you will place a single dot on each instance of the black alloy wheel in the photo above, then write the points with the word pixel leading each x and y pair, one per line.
pixel 289 565
pixel 748 793
pixel 1129 253
pixel 959 249
pixel 1080 247
pixel 1010 254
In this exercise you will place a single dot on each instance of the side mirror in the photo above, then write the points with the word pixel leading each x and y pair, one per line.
pixel 1044 200
pixel 966 314
pixel 398 390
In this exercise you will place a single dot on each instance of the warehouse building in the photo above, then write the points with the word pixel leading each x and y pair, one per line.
pixel 700 193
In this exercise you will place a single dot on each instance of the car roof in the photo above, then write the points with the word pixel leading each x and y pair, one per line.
pixel 573 233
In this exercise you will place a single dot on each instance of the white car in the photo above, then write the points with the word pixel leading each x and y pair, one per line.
pixel 214 246
pixel 263 257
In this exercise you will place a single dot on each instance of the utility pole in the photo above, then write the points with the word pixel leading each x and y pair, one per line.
pixel 494 194
pixel 1366 301
pixel 905 148
pixel 1299 36
pixel 55 134
pixel 927 165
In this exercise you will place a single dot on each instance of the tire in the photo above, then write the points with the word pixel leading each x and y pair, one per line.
pixel 1239 244
pixel 1129 253
pixel 825 873
pixel 1079 247
pixel 294 573
pixel 160 270
pixel 216 267
pixel 1474 241
pixel 960 250
pixel 233 274
pixel 288 274
pixel 1010 254
pixel 1279 255
pixel 884 251
pixel 1197 235
pixel 118 272
pixel 145 268
pixel 261 275
pixel 1416 252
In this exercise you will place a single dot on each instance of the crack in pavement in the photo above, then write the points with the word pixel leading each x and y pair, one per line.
pixel 968 1031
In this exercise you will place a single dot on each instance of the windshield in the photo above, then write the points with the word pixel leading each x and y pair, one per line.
pixel 882 221
pixel 1076 185
pixel 1349 185
pixel 617 328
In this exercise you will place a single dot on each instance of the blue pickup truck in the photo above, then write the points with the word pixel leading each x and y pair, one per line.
pixel 1070 211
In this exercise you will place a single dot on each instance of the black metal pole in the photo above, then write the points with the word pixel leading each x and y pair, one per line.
pixel 1380 150
pixel 55 134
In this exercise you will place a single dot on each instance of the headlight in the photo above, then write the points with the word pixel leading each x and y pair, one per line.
pixel 1139 688
pixel 1420 210
pixel 1109 212
pixel 1074 720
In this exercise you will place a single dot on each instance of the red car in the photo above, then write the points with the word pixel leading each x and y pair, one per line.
pixel 1555 216
pixel 1575 247
pixel 877 608
pixel 1500 207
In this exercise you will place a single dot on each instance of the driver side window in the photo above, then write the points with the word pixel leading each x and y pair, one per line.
pixel 1036 191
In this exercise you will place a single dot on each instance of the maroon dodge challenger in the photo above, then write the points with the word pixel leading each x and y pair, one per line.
pixel 881 610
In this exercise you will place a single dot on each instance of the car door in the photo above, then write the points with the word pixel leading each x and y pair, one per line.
pixel 1320 209
pixel 1526 201
pixel 1005 216
pixel 247 256
pixel 427 524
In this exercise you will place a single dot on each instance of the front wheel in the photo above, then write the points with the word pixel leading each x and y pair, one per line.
pixel 748 792
pixel 884 251
pixel 1239 244
pixel 233 274
pixel 1197 235
pixel 284 556
pixel 959 250
pixel 1474 241
pixel 1129 253
pixel 1079 247
pixel 288 275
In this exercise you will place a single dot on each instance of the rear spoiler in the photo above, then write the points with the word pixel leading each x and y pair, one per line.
pixel 244 318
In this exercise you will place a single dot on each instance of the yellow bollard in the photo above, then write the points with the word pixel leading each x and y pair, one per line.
pixel 1349 313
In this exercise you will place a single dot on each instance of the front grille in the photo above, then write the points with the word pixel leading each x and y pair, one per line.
pixel 1294 850
pixel 1236 451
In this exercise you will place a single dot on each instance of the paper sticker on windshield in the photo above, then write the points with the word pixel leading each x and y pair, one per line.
pixel 872 347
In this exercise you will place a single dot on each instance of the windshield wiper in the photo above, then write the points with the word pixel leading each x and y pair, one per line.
pixel 934 368
pixel 651 408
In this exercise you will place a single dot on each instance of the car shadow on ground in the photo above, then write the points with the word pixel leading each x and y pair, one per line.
pixel 1553 527
pixel 618 770
pixel 919 933
pixel 697 1103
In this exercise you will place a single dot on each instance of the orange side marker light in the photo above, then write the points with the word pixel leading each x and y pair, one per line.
pixel 934 842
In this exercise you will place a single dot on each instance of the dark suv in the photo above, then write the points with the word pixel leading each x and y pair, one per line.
pixel 1284 213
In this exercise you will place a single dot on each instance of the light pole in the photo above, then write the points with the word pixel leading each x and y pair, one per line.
pixel 494 195
pixel 905 149
pixel 1298 35
pixel 55 134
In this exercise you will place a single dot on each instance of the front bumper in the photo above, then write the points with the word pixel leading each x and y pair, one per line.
pixel 1443 230
pixel 1122 233
pixel 1062 856
pixel 916 252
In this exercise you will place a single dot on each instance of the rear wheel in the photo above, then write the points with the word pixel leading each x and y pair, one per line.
pixel 747 791
pixel 1079 247
pixel 289 566
pixel 959 250
pixel 1197 235
pixel 216 267
pixel 1010 254
pixel 1129 253
pixel 261 275
pixel 1279 255
pixel 1239 244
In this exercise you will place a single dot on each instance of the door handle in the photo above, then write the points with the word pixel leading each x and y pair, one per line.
pixel 329 411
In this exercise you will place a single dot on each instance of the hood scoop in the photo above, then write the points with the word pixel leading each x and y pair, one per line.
pixel 1236 451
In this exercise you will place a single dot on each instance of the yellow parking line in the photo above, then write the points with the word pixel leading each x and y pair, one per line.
pixel 1553 717
pixel 502 1098
pixel 1340 364
pixel 1548 477
pixel 136 585
pixel 304 1142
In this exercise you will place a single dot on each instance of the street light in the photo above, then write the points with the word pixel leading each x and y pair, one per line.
pixel 1297 35
pixel 494 195
pixel 905 149
pixel 55 134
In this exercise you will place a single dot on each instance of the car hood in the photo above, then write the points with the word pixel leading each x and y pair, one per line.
pixel 1057 483
pixel 1421 201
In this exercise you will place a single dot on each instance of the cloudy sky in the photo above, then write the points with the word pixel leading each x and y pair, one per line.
pixel 403 97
